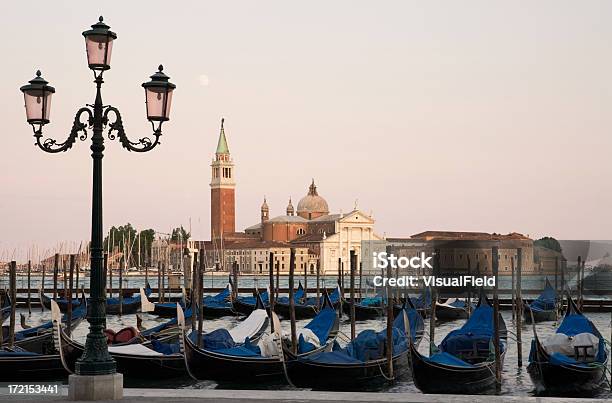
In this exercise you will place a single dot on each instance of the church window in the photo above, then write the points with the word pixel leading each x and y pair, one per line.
pixel 301 231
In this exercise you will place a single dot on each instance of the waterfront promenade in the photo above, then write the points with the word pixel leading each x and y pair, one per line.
pixel 261 396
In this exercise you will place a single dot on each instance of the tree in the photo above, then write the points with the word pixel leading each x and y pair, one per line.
pixel 548 243
pixel 180 234
pixel 146 242
pixel 119 237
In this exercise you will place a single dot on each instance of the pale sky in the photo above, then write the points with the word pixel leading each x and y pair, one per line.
pixel 475 116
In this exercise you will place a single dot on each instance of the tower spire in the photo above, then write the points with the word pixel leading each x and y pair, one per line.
pixel 222 147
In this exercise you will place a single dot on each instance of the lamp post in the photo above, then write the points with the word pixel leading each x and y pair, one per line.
pixel 97 117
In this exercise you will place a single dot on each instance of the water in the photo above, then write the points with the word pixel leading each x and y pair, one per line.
pixel 516 381
pixel 218 280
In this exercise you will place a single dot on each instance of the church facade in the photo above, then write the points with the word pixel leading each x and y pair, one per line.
pixel 318 236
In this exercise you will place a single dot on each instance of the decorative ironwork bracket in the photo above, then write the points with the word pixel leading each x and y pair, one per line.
pixel 142 145
pixel 52 146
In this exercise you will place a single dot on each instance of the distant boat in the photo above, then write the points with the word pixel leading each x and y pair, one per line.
pixel 573 361
pixel 598 280
pixel 129 304
pixel 452 309
pixel 246 305
pixel 305 308
pixel 61 302
pixel 423 302
pixel 213 306
pixel 544 308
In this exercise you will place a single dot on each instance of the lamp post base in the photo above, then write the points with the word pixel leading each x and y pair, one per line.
pixel 95 387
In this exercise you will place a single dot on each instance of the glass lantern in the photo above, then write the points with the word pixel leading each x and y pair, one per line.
pixel 158 96
pixel 99 46
pixel 37 97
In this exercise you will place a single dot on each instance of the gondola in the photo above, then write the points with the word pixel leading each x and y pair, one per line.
pixel 544 308
pixel 463 363
pixel 45 301
pixel 161 309
pixel 17 364
pixel 452 309
pixel 361 365
pixel 367 308
pixel 422 303
pixel 306 308
pixel 263 362
pixel 228 359
pixel 246 305
pixel 573 361
pixel 213 306
pixel 129 305
pixel 22 365
pixel 152 360
pixel 220 305
pixel 126 305
pixel 39 339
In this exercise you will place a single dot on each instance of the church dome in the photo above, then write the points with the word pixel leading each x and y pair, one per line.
pixel 312 205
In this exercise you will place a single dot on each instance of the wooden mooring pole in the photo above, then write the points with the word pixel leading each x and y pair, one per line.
pixel 77 269
pixel 201 268
pixel 432 310
pixel 579 276
pixel 318 284
pixel 389 341
pixel 159 283
pixel 65 277
pixel 519 307
pixel 305 280
pixel 69 298
pixel 235 274
pixel 42 287
pixel 29 286
pixel 193 293
pixel 292 302
pixel 469 297
pixel 13 291
pixel 146 274
pixel 163 282
pixel 556 288
pixel 277 264
pixel 340 285
pixel 2 297
pixel 352 264
pixel 121 285
pixel 496 345
pixel 272 292
pixel 360 279
pixel 105 263
pixel 55 270
pixel 110 278
pixel 512 295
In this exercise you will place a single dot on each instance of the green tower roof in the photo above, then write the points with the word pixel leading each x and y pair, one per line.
pixel 222 147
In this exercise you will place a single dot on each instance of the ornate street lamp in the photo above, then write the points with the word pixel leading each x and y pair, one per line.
pixel 37 95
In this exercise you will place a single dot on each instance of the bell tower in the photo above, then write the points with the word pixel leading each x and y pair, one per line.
pixel 222 189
